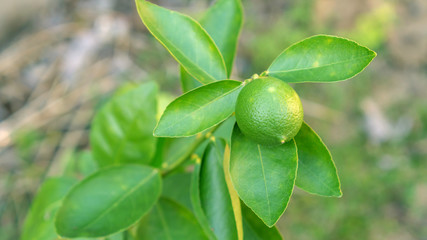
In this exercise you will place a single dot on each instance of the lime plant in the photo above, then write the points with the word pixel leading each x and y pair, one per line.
pixel 222 160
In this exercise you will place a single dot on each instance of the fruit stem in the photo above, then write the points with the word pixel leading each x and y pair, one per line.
pixel 255 76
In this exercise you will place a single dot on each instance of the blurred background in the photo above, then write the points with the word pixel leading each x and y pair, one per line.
pixel 61 59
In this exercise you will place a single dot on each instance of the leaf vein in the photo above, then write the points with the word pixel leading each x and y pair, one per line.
pixel 122 198
pixel 265 181
pixel 326 65
pixel 163 221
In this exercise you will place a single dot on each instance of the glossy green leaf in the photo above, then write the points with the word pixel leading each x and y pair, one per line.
pixel 199 109
pixel 108 201
pixel 122 129
pixel 38 224
pixel 321 58
pixel 169 220
pixel 196 202
pixel 186 40
pixel 316 170
pixel 214 195
pixel 263 176
pixel 255 229
pixel 163 100
pixel 223 22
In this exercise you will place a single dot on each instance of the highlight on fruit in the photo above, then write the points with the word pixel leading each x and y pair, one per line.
pixel 269 111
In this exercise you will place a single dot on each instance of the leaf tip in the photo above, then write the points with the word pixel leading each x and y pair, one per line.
pixel 334 193
pixel 338 194
pixel 374 54
pixel 157 132
pixel 270 223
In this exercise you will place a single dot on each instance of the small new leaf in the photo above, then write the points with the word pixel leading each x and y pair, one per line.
pixel 321 58
pixel 316 170
pixel 199 109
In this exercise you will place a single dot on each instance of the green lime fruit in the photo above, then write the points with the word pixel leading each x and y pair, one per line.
pixel 269 111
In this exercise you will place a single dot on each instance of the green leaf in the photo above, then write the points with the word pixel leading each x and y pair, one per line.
pixel 169 220
pixel 214 195
pixel 263 176
pixel 117 236
pixel 171 152
pixel 108 201
pixel 38 224
pixel 78 164
pixel 86 163
pixel 321 58
pixel 225 129
pixel 316 170
pixel 163 101
pixel 223 22
pixel 177 187
pixel 196 202
pixel 199 109
pixel 122 129
pixel 255 229
pixel 186 40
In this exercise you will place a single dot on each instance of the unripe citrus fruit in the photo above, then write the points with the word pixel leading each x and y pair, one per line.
pixel 269 111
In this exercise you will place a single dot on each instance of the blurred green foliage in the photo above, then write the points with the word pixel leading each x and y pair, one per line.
pixel 26 142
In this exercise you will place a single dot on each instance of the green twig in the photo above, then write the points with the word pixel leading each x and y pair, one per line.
pixel 200 139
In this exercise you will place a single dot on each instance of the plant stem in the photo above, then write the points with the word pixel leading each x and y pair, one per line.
pixel 200 140
pixel 265 73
